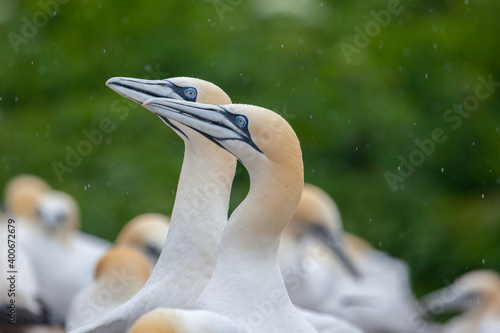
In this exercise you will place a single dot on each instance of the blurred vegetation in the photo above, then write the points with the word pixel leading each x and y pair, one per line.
pixel 354 115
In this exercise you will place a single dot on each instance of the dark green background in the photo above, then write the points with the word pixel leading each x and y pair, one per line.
pixel 354 118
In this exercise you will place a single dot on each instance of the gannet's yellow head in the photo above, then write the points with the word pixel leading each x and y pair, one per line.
pixel 147 233
pixel 178 88
pixel 21 194
pixel 123 259
pixel 58 213
pixel 182 88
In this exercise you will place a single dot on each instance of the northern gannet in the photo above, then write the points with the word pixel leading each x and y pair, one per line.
pixel 64 259
pixel 246 285
pixel 119 275
pixel 199 214
pixel 477 295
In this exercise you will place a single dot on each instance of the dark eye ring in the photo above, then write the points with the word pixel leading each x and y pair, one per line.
pixel 190 93
pixel 241 121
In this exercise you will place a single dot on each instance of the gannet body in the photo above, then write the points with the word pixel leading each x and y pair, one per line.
pixel 119 275
pixel 246 285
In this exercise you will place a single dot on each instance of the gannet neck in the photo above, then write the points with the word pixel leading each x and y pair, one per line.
pixel 198 218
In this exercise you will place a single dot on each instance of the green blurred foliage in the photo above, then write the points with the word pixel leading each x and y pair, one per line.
pixel 354 116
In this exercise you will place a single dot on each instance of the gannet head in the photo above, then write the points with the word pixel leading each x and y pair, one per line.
pixel 475 289
pixel 182 88
pixel 58 213
pixel 179 88
pixel 156 321
pixel 21 194
pixel 261 139
pixel 318 215
pixel 124 260
pixel 147 233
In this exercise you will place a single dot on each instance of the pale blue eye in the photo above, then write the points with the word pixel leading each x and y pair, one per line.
pixel 190 93
pixel 241 121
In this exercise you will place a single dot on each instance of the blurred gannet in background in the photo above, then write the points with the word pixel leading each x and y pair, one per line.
pixel 64 258
pixel 308 245
pixel 147 233
pixel 246 285
pixel 199 214
pixel 477 295
pixel 119 275
pixel 381 301
pixel 20 195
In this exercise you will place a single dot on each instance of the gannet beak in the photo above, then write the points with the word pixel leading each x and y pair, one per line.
pixel 334 244
pixel 214 122
pixel 140 90
pixel 449 299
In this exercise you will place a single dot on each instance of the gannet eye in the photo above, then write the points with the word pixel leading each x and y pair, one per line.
pixel 190 93
pixel 241 121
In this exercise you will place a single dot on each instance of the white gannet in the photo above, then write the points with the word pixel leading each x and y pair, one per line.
pixel 119 275
pixel 64 262
pixel 147 233
pixel 199 214
pixel 310 249
pixel 477 295
pixel 246 285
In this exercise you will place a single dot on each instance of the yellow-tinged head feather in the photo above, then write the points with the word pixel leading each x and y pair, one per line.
pixel 21 194
pixel 121 259
pixel 485 283
pixel 145 230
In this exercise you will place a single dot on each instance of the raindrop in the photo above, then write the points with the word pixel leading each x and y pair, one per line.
pixel 281 45
pixel 311 116
pixel 85 187
pixel 321 4
pixel 473 143
pixel 356 148
pixel 400 68
pixel 482 196
pixel 379 244
pixel 313 170
pixel 16 99
pixel 104 51
pixel 466 2
pixel 483 261
pixel 435 46
pixel 426 76
pixel 442 169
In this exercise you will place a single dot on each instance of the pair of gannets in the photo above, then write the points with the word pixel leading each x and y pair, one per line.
pixel 122 271
pixel 477 295
pixel 245 286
